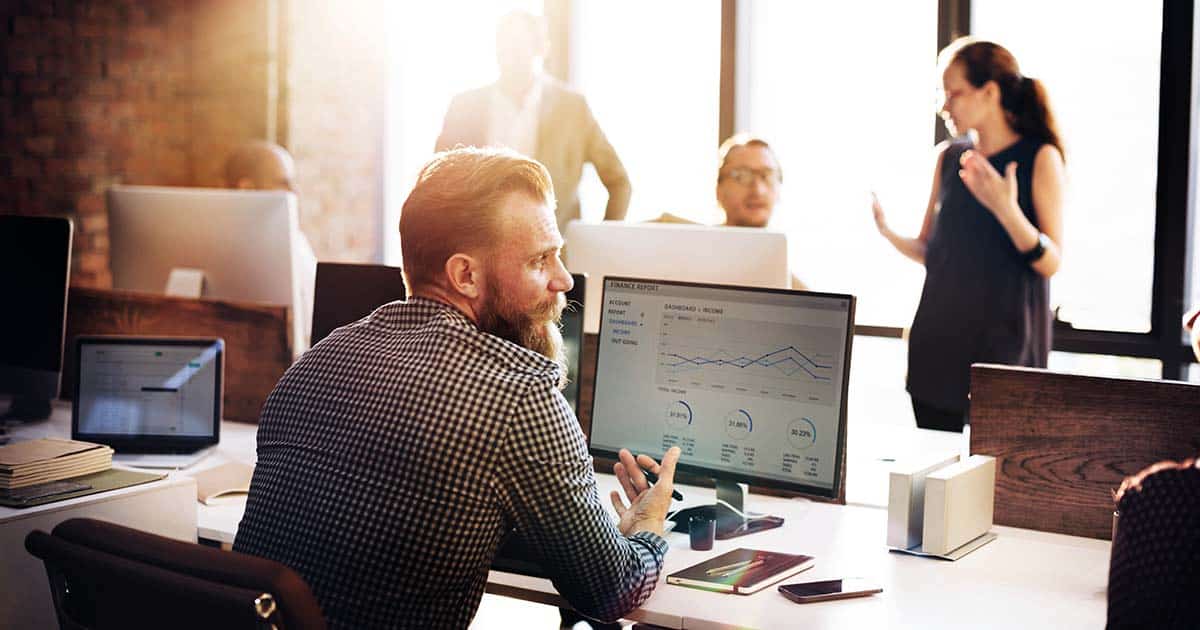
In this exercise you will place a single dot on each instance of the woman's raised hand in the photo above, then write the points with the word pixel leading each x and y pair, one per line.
pixel 996 192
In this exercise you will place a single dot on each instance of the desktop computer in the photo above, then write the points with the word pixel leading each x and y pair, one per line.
pixel 35 268
pixel 750 383
pixel 694 253
pixel 247 244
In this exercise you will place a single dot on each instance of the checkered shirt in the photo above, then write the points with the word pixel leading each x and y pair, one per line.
pixel 395 454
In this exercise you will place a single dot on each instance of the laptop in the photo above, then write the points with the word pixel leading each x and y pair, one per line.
pixel 155 400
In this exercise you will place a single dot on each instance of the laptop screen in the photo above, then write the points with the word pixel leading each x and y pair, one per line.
pixel 152 391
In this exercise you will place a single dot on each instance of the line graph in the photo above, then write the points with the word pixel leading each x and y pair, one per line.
pixel 771 359
pixel 760 358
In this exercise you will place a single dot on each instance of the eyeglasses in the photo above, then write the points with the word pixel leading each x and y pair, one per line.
pixel 747 176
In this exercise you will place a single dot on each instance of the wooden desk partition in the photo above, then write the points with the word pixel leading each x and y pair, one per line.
pixel 1065 442
pixel 257 348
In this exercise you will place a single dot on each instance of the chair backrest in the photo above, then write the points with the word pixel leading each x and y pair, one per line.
pixel 1152 579
pixel 108 576
pixel 347 292
pixel 1064 442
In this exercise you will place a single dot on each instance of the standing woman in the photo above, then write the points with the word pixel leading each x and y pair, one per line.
pixel 992 234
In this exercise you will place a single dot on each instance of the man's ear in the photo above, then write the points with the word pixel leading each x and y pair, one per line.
pixel 464 275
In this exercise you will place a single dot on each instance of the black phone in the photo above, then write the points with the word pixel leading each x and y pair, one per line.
pixel 826 590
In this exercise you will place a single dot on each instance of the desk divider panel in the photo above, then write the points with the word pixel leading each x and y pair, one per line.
pixel 1064 442
pixel 257 347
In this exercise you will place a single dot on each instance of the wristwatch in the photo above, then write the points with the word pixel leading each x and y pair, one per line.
pixel 1038 250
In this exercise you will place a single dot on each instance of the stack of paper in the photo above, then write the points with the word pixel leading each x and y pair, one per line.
pixel 50 459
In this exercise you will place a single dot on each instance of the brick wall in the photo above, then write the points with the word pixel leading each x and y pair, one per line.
pixel 94 93
pixel 336 87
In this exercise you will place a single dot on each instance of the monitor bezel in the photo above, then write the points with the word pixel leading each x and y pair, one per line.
pixel 836 492
pixel 151 443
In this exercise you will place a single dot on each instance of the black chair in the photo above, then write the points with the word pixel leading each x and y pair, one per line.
pixel 1153 579
pixel 108 576
pixel 347 292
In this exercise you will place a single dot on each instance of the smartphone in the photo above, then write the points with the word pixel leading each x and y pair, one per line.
pixel 826 590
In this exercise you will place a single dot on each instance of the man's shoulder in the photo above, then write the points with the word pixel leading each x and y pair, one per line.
pixel 434 319
pixel 561 94
pixel 473 99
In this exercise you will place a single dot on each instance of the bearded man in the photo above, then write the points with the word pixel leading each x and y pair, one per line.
pixel 394 455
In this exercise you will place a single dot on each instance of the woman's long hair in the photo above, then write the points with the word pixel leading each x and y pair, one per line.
pixel 1023 98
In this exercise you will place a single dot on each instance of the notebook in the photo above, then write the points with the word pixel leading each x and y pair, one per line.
pixel 741 571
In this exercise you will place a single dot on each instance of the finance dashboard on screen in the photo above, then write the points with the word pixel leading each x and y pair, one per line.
pixel 749 383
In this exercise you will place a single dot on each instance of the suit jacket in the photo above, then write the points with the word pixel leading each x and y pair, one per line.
pixel 568 136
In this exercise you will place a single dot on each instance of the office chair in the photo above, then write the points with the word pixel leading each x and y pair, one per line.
pixel 347 292
pixel 108 576
pixel 1152 576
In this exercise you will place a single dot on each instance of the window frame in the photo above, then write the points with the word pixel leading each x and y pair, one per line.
pixel 1175 195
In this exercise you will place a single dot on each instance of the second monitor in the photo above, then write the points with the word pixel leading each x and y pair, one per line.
pixel 695 253
pixel 750 383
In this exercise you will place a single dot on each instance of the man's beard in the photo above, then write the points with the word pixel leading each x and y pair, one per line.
pixel 537 329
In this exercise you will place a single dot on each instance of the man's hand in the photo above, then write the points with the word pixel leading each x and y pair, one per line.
pixel 648 506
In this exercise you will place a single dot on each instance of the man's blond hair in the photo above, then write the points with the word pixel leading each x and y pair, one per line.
pixel 455 207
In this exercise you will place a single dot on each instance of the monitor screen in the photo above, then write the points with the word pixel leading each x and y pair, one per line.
pixel 130 389
pixel 749 383
pixel 35 264
pixel 247 243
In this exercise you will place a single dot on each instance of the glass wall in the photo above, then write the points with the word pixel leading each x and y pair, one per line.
pixel 1100 61
pixel 651 74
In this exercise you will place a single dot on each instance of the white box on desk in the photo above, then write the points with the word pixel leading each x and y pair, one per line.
pixel 906 501
pixel 959 500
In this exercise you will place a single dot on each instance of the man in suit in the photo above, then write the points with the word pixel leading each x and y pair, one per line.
pixel 539 116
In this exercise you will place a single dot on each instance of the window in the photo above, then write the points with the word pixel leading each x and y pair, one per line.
pixel 844 92
pixel 437 49
pixel 1104 88
pixel 1105 365
pixel 651 74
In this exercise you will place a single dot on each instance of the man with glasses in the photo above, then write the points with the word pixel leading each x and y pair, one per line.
pixel 748 181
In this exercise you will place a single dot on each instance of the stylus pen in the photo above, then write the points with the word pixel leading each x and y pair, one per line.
pixel 653 478
pixel 735 565
pixel 752 565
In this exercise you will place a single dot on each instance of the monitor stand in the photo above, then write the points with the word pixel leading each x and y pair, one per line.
pixel 24 408
pixel 729 523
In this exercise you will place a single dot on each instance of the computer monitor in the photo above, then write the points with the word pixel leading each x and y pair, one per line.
pixel 750 383
pixel 695 253
pixel 247 243
pixel 35 268
pixel 572 332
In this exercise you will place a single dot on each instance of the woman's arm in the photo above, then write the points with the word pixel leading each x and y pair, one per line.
pixel 999 194
pixel 914 248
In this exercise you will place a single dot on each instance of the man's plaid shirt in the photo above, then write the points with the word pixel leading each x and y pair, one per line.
pixel 394 455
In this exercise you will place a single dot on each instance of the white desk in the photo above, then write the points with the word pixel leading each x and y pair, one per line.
pixel 1024 579
pixel 166 507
